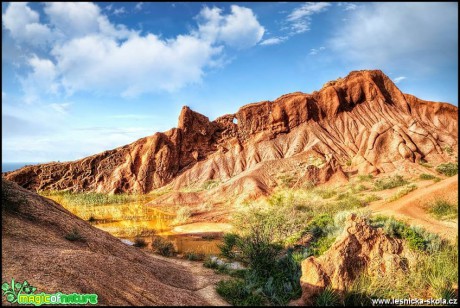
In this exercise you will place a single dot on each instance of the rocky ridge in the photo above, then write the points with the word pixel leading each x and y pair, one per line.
pixel 359 124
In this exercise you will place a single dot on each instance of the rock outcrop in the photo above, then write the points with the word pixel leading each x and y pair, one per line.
pixel 360 248
pixel 362 122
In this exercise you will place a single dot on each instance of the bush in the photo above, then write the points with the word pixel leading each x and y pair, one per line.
pixel 371 197
pixel 390 182
pixel 162 246
pixel 182 215
pixel 74 235
pixel 426 176
pixel 228 245
pixel 192 256
pixel 442 209
pixel 402 192
pixel 236 293
pixel 139 242
pixel 365 177
pixel 448 169
pixel 321 245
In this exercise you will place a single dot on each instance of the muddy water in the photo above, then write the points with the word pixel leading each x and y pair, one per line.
pixel 157 223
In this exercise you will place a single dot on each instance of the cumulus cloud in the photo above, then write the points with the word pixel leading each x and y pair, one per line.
pixel 389 35
pixel 23 24
pixel 138 6
pixel 399 79
pixel 239 29
pixel 89 53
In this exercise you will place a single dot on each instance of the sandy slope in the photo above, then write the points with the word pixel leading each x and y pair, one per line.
pixel 411 208
pixel 34 248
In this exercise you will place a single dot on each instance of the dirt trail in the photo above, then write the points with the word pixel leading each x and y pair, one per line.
pixel 410 208
pixel 205 278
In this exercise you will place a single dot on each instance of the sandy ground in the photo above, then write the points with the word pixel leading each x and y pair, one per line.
pixel 411 208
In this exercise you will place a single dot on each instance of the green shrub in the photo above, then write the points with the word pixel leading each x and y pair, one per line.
pixel 74 235
pixel 162 246
pixel 365 177
pixel 448 150
pixel 228 245
pixel 426 176
pixel 326 193
pixel 327 297
pixel 448 169
pixel 371 197
pixel 236 293
pixel 139 242
pixel 192 256
pixel 402 192
pixel 210 184
pixel 320 246
pixel 442 209
pixel 390 182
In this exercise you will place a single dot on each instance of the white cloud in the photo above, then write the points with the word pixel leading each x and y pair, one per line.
pixel 315 51
pixel 300 18
pixel 23 24
pixel 240 29
pixel 119 11
pixel 89 53
pixel 41 80
pixel 399 79
pixel 348 6
pixel 273 40
pixel 138 6
pixel 395 35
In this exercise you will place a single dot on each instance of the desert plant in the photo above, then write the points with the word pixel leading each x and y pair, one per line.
pixel 426 176
pixel 74 235
pixel 236 293
pixel 228 245
pixel 442 209
pixel 139 242
pixel 371 197
pixel 193 256
pixel 389 182
pixel 327 297
pixel 448 169
pixel 162 246
pixel 402 192
pixel 365 177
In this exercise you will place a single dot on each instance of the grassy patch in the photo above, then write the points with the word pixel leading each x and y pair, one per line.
pixel 448 169
pixel 192 256
pixel 426 176
pixel 442 209
pixel 163 247
pixel 236 293
pixel 92 198
pixel 328 297
pixel 389 182
pixel 365 177
pixel 371 197
pixel 417 238
pixel 402 192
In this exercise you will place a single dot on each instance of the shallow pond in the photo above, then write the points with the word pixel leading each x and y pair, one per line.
pixel 133 220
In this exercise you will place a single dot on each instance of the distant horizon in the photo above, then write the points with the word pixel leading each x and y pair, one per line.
pixel 89 77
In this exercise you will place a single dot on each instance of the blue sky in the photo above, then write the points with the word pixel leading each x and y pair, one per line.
pixel 81 78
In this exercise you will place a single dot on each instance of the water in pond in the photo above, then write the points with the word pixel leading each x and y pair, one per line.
pixel 135 220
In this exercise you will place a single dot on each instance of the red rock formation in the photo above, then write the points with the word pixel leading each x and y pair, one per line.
pixel 362 122
pixel 359 248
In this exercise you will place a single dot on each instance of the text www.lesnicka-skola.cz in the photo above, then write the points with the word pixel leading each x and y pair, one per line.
pixel 413 301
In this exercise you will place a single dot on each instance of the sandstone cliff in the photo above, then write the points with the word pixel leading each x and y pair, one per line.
pixel 362 123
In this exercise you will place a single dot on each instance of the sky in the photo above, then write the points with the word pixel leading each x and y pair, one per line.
pixel 81 78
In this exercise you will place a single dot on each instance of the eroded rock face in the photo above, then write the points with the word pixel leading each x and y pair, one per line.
pixel 362 121
pixel 358 249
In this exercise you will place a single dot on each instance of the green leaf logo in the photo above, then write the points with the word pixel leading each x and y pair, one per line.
pixel 13 291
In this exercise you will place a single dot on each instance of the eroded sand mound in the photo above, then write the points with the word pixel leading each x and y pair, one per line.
pixel 34 248
pixel 362 122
